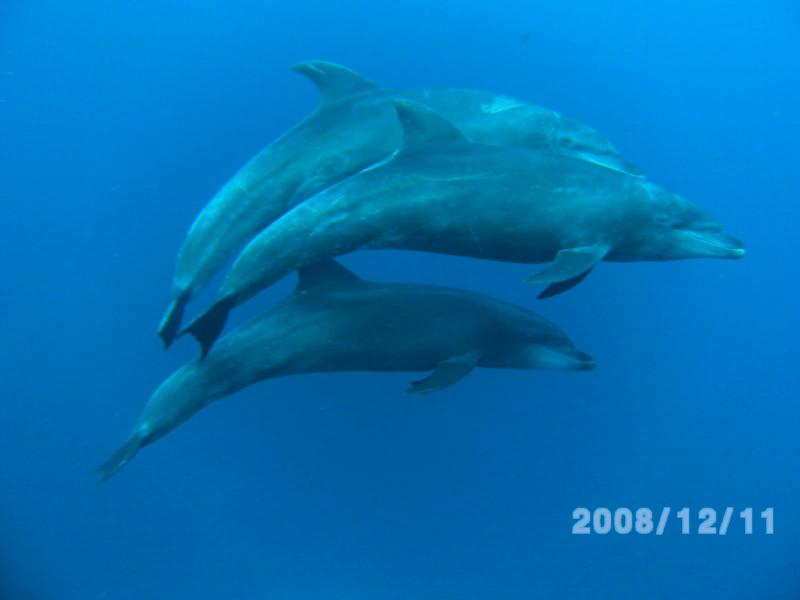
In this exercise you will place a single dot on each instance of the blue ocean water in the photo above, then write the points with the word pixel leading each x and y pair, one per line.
pixel 118 121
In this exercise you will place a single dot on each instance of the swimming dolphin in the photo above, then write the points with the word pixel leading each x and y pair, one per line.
pixel 442 193
pixel 354 126
pixel 334 321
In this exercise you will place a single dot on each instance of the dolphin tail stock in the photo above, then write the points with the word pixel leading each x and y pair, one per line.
pixel 120 458
pixel 171 321
pixel 207 327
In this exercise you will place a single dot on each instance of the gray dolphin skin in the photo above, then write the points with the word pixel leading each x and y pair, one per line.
pixel 442 193
pixel 334 321
pixel 354 126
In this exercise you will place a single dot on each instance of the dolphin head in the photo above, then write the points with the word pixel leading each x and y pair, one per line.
pixel 674 228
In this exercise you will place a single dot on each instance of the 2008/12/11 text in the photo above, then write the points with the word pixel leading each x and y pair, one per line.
pixel 706 521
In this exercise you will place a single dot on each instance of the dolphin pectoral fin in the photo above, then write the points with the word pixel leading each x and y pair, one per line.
pixel 334 81
pixel 570 267
pixel 171 321
pixel 446 373
pixel 562 286
pixel 207 327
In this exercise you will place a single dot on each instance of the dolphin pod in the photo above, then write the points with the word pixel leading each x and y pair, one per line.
pixel 443 193
pixel 451 171
pixel 354 126
pixel 335 321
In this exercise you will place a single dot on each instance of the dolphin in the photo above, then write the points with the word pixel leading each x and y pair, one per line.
pixel 354 126
pixel 442 193
pixel 335 321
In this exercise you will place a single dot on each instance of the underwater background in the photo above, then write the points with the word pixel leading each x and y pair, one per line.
pixel 118 121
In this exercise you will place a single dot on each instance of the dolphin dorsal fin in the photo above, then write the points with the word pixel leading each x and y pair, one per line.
pixel 322 273
pixel 334 81
pixel 423 126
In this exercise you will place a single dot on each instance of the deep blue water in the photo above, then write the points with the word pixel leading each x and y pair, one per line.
pixel 119 120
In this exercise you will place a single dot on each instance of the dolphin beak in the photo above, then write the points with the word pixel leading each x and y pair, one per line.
pixel 583 361
pixel 568 359
pixel 715 244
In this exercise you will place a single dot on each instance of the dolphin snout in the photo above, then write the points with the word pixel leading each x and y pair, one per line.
pixel 715 244
pixel 576 360
pixel 734 247
pixel 563 357
pixel 585 362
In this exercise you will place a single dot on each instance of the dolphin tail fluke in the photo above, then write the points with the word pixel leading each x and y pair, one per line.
pixel 207 327
pixel 171 321
pixel 120 458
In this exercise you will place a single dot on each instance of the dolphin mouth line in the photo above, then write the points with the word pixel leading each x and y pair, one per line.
pixel 719 244
pixel 500 104
pixel 433 179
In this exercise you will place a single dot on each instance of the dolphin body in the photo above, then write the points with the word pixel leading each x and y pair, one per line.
pixel 334 321
pixel 354 126
pixel 442 193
